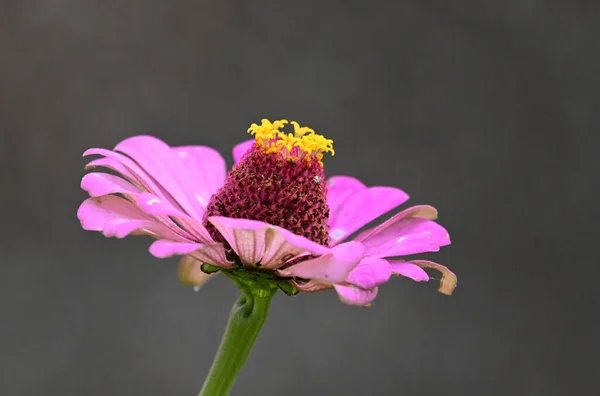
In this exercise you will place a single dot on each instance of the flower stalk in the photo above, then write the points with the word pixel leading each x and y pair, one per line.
pixel 247 318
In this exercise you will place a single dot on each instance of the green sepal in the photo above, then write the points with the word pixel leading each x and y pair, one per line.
pixel 209 269
pixel 287 288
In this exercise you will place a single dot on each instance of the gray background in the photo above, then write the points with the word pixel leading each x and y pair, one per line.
pixel 485 109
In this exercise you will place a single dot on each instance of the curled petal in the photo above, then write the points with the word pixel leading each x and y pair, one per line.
pixel 164 166
pixel 98 184
pixel 408 232
pixel 190 274
pixel 354 295
pixel 164 248
pixel 259 242
pixel 139 175
pixel 114 165
pixel 241 149
pixel 370 272
pixel 332 267
pixel 115 216
pixel 362 207
pixel 449 280
pixel 408 270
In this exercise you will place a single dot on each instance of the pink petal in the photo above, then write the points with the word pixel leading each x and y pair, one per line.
pixel 332 267
pixel 206 166
pixel 190 274
pixel 165 248
pixel 361 208
pixel 339 188
pixel 449 280
pixel 113 164
pixel 370 272
pixel 240 149
pixel 151 204
pixel 213 254
pixel 118 217
pixel 353 295
pixel 98 184
pixel 139 176
pixel 191 228
pixel 409 270
pixel 258 242
pixel 161 163
pixel 408 232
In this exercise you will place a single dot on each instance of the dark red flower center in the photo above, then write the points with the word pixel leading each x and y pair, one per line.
pixel 279 181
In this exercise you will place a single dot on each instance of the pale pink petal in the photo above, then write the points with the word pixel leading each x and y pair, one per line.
pixel 408 232
pixel 213 254
pixel 206 166
pixel 408 270
pixel 240 149
pixel 164 248
pixel 332 267
pixel 168 170
pixel 354 295
pixel 370 272
pixel 339 188
pixel 98 184
pixel 258 242
pixel 111 214
pixel 361 208
pixel 190 272
pixel 449 280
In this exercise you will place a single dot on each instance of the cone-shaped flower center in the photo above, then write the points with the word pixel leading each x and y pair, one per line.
pixel 280 181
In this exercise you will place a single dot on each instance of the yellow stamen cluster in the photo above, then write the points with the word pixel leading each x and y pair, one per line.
pixel 273 140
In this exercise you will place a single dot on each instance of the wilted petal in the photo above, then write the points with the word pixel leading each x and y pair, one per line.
pixel 354 295
pixel 190 272
pixel 409 270
pixel 370 272
pixel 206 167
pixel 166 248
pixel 408 232
pixel 312 286
pixel 259 242
pixel 118 217
pixel 332 267
pixel 361 208
pixel 240 149
pixel 448 282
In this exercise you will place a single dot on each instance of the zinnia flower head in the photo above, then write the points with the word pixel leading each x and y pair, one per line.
pixel 273 218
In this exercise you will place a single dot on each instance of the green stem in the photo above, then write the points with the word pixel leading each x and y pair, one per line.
pixel 245 322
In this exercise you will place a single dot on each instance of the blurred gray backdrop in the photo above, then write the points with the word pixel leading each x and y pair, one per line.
pixel 485 109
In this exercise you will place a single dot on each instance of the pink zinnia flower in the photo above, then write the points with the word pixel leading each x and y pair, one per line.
pixel 273 216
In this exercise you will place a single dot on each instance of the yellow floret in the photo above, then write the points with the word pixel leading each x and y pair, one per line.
pixel 273 140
